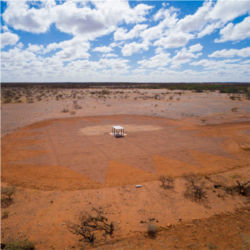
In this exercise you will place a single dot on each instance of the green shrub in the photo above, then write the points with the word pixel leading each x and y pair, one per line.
pixel 19 245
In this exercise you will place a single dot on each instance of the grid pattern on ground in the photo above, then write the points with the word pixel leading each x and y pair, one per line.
pixel 160 148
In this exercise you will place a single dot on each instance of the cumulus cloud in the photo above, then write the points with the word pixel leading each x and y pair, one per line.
pixel 174 40
pixel 103 19
pixel 133 30
pixel 8 38
pixel 168 21
pixel 235 32
pixel 196 21
pixel 244 52
pixel 70 18
pixel 159 60
pixel 69 49
pixel 131 48
pixel 216 65
pixel 123 34
pixel 21 17
pixel 209 29
pixel 229 10
pixel 186 55
pixel 195 47
pixel 103 49
pixel 110 55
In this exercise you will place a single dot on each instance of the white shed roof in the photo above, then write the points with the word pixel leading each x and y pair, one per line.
pixel 118 127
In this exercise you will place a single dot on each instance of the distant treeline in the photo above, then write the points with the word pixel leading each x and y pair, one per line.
pixel 197 87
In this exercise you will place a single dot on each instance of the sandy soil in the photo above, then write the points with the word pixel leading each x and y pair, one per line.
pixel 200 108
pixel 62 167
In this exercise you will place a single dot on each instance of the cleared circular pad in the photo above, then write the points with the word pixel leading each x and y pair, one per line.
pixel 79 153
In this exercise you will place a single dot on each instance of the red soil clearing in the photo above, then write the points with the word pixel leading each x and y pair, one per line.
pixel 80 153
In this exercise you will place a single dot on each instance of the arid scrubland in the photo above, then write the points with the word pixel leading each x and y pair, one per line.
pixel 68 184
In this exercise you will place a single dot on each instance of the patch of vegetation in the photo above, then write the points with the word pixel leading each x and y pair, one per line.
pixel 166 182
pixel 152 230
pixel 239 188
pixel 93 227
pixel 235 109
pixel 6 196
pixel 194 189
pixel 65 110
pixel 5 215
pixel 18 245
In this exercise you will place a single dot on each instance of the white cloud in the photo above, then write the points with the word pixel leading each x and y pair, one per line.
pixel 244 52
pixel 196 21
pixel 35 48
pixel 122 34
pixel 209 29
pixel 229 10
pixel 195 47
pixel 131 48
pixel 21 17
pixel 159 60
pixel 216 65
pixel 168 21
pixel 69 60
pixel 8 38
pixel 169 14
pixel 235 32
pixel 186 55
pixel 110 55
pixel 103 49
pixel 70 18
pixel 79 21
pixel 174 40
pixel 69 49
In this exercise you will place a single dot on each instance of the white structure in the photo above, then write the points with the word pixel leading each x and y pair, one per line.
pixel 118 131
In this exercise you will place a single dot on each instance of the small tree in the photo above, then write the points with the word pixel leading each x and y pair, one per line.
pixel 166 181
pixel 92 227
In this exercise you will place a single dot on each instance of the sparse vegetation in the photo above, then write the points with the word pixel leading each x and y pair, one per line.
pixel 18 245
pixel 93 227
pixel 12 92
pixel 152 230
pixel 6 196
pixel 194 189
pixel 235 109
pixel 65 110
pixel 166 182
pixel 239 188
pixel 5 215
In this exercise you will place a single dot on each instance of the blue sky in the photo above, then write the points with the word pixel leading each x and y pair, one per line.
pixel 118 40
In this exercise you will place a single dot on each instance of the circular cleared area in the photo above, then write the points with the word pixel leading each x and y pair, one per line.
pixel 81 153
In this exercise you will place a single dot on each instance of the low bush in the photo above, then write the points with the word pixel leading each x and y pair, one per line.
pixel 6 196
pixel 166 182
pixel 5 215
pixel 92 227
pixel 239 188
pixel 18 245
pixel 152 230
pixel 194 190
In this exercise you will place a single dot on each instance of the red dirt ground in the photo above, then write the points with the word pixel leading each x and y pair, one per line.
pixel 58 155
pixel 62 169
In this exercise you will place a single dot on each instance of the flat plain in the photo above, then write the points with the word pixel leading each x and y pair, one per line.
pixel 188 151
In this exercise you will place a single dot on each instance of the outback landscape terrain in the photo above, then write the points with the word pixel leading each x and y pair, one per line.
pixel 179 179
